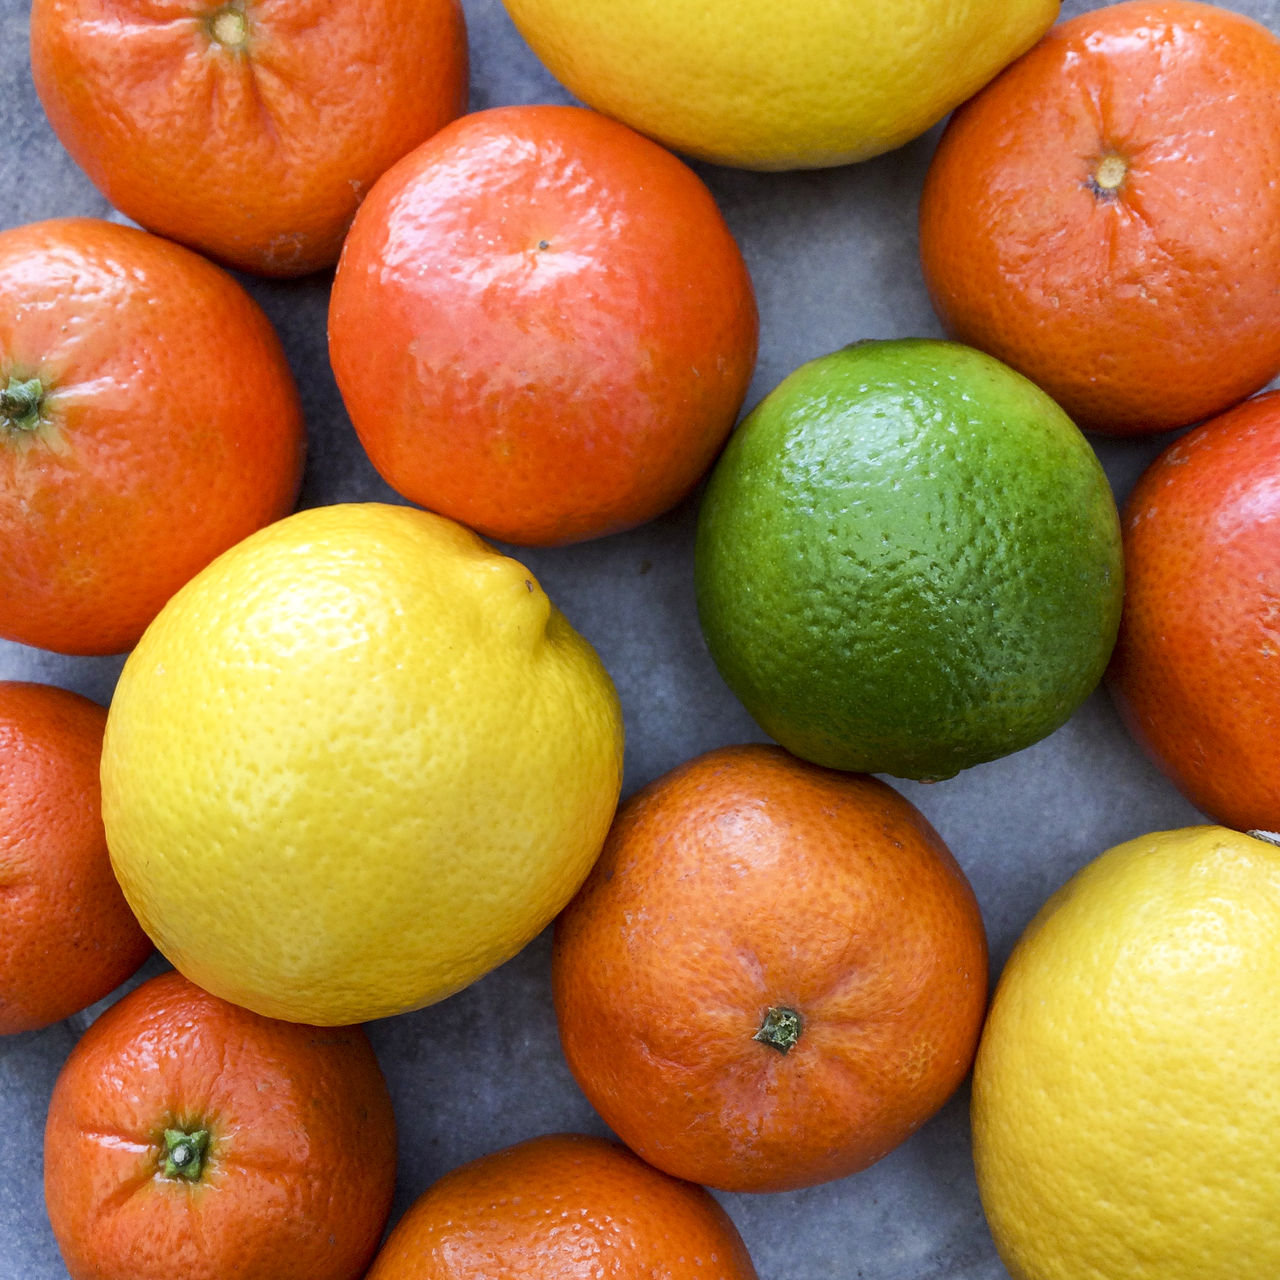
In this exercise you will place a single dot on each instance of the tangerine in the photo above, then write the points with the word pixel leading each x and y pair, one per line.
pixel 1104 216
pixel 67 936
pixel 247 130
pixel 188 1136
pixel 563 1207
pixel 773 975
pixel 148 421
pixel 1196 668
pixel 541 325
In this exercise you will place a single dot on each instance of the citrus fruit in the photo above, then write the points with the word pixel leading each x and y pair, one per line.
pixel 148 421
pixel 908 561
pixel 357 762
pixel 1125 1115
pixel 246 129
pixel 774 974
pixel 186 1133
pixel 67 937
pixel 1104 215
pixel 1194 669
pixel 778 85
pixel 541 325
pixel 563 1207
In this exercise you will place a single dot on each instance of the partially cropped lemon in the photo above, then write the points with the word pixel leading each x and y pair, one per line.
pixel 354 764
pixel 779 84
pixel 1126 1100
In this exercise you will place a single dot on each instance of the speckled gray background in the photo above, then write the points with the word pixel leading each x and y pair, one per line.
pixel 833 256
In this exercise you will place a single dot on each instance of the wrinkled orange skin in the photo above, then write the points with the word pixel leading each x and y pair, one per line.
pixel 542 394
pixel 747 880
pixel 300 1170
pixel 563 1207
pixel 258 155
pixel 1151 307
pixel 171 428
pixel 67 936
pixel 1196 668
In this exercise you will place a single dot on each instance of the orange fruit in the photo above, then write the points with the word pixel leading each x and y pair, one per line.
pixel 67 937
pixel 773 975
pixel 1104 216
pixel 1195 668
pixel 148 421
pixel 245 129
pixel 563 1207
pixel 541 325
pixel 188 1136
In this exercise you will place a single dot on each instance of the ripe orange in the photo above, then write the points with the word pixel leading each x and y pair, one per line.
pixel 1104 216
pixel 773 975
pixel 245 129
pixel 1196 668
pixel 67 937
pixel 563 1207
pixel 541 325
pixel 187 1136
pixel 148 421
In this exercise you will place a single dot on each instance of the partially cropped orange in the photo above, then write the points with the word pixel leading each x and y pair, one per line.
pixel 249 129
pixel 148 421
pixel 774 974
pixel 563 1207
pixel 67 936
pixel 1105 215
pixel 1195 669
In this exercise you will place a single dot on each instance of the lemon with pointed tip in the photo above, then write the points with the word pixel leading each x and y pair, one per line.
pixel 357 762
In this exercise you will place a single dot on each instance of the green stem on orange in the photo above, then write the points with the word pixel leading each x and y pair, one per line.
pixel 20 402
pixel 185 1153
pixel 780 1029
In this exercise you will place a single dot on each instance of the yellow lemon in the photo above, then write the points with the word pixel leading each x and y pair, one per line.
pixel 1126 1100
pixel 355 763
pixel 779 84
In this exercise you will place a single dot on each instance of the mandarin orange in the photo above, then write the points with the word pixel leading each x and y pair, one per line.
pixel 67 936
pixel 1105 218
pixel 774 974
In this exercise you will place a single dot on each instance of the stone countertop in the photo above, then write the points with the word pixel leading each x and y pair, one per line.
pixel 833 256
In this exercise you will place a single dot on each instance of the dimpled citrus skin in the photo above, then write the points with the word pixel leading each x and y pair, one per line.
pixel 908 561
pixel 67 937
pixel 1125 1109
pixel 169 427
pixel 296 1180
pixel 250 129
pixel 1194 671
pixel 764 84
pixel 542 326
pixel 356 763
pixel 563 1207
pixel 1141 306
pixel 747 880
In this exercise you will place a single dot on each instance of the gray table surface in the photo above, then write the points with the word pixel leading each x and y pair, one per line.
pixel 833 256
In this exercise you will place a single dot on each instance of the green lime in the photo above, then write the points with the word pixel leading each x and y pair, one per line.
pixel 908 561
